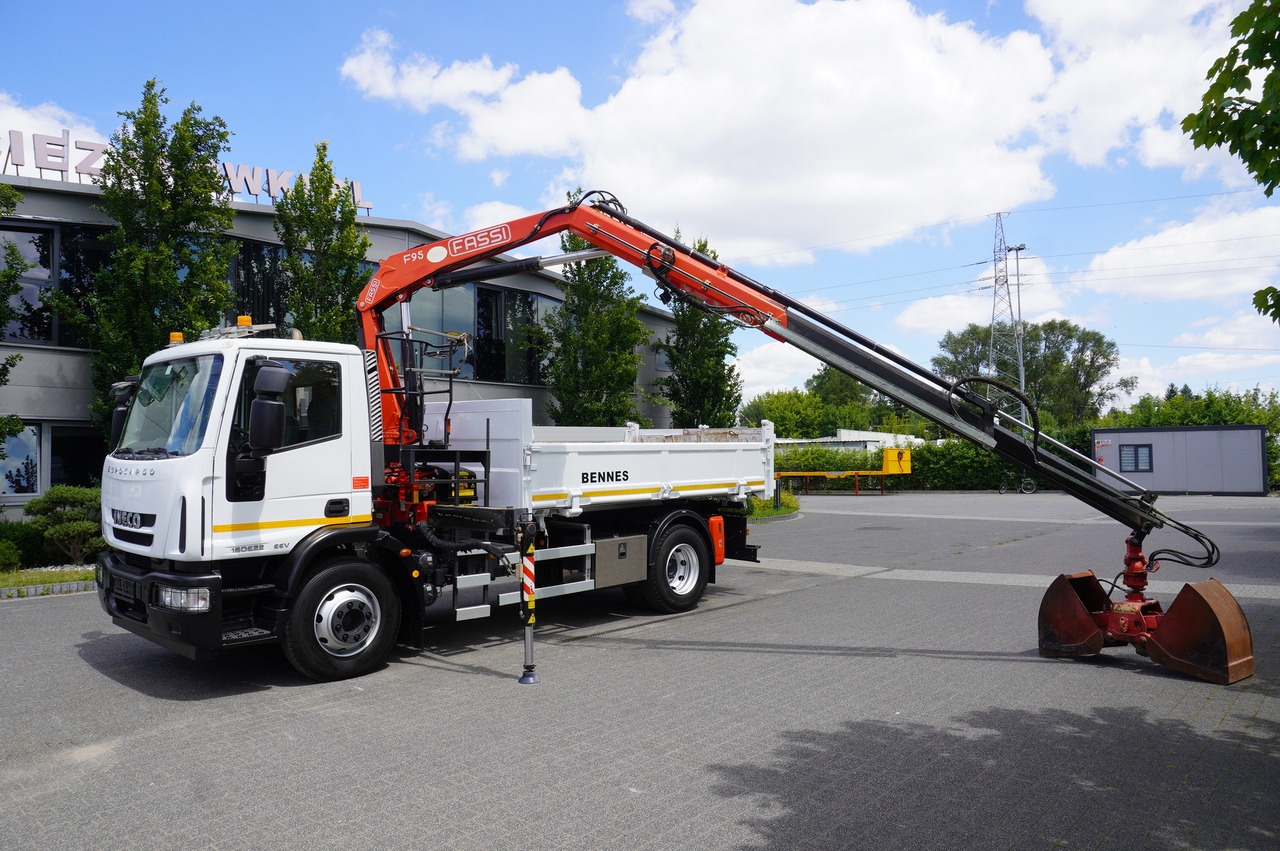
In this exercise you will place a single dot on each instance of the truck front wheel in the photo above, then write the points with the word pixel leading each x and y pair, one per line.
pixel 678 573
pixel 344 623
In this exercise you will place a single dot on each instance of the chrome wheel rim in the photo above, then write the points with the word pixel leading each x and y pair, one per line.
pixel 347 620
pixel 683 569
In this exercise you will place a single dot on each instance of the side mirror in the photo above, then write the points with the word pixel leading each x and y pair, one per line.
pixel 121 393
pixel 266 412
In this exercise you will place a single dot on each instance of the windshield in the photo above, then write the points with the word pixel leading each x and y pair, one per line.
pixel 171 409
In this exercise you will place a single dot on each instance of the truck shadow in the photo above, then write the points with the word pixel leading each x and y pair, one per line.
pixel 141 666
pixel 146 668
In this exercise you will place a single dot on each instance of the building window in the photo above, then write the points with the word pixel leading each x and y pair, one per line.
pixel 75 455
pixel 439 311
pixel 65 258
pixel 506 348
pixel 259 284
pixel 51 453
pixel 256 279
pixel 36 249
pixel 1135 457
pixel 312 404
pixel 21 465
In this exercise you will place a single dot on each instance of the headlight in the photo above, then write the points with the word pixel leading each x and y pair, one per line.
pixel 183 599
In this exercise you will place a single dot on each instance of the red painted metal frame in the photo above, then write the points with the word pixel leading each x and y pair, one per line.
pixel 403 274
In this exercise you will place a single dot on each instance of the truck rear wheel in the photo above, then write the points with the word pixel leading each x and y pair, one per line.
pixel 678 573
pixel 344 623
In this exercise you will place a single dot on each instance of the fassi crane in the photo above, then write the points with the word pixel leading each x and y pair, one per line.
pixel 1204 633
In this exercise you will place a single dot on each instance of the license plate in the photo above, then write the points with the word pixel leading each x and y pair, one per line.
pixel 126 588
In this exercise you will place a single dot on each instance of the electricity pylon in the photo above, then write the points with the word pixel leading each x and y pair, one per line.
pixel 1004 361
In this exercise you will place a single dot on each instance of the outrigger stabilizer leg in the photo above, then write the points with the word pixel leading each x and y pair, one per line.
pixel 1204 634
pixel 527 613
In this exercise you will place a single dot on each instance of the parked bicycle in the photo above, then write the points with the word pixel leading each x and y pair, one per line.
pixel 1027 485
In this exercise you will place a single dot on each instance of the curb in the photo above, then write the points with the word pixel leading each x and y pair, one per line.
pixel 46 590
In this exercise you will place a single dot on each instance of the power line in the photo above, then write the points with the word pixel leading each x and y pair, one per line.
pixel 967 219
pixel 1203 348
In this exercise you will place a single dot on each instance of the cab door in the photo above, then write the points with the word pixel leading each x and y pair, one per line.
pixel 303 485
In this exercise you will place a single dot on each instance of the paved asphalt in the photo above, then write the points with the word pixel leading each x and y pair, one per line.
pixel 874 683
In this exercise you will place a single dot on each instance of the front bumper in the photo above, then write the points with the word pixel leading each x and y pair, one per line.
pixel 129 595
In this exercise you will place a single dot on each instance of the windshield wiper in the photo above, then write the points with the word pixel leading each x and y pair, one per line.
pixel 135 454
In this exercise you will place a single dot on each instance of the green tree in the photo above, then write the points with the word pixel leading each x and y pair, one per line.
pixel 794 413
pixel 10 286
pixel 161 185
pixel 592 342
pixel 847 402
pixel 324 249
pixel 1241 108
pixel 1066 367
pixel 1077 388
pixel 704 387
pixel 837 389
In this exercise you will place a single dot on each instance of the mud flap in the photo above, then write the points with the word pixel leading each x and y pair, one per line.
pixel 1067 627
pixel 1204 634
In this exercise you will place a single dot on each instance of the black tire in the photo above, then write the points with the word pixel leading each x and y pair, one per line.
pixel 1028 486
pixel 678 572
pixel 1004 486
pixel 344 623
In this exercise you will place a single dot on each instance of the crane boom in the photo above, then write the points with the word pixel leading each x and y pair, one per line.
pixel 684 273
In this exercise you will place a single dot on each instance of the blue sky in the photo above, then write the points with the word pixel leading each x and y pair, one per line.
pixel 852 154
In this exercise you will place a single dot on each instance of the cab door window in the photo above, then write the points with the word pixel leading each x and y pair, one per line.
pixel 313 412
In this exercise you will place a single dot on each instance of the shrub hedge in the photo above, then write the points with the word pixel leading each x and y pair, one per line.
pixel 945 465
pixel 33 549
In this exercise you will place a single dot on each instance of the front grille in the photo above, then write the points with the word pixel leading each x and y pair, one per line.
pixel 136 561
pixel 142 539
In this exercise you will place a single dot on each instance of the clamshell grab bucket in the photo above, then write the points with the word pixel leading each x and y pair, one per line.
pixel 1204 634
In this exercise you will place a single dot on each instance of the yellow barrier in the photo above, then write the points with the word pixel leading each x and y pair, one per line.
pixel 896 462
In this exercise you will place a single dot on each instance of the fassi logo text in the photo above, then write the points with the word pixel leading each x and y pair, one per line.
pixel 479 240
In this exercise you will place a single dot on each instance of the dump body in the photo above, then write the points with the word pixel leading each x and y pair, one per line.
pixel 565 471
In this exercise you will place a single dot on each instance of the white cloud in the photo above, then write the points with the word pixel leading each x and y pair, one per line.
pixel 864 121
pixel 490 212
pixel 774 366
pixel 46 118
pixel 937 315
pixel 650 11
pixel 1196 370
pixel 716 132
pixel 1242 331
pixel 822 304
pixel 1128 72
pixel 434 212
pixel 418 81
pixel 1040 301
pixel 1219 254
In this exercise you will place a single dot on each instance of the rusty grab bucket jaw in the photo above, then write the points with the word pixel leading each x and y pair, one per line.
pixel 1204 634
